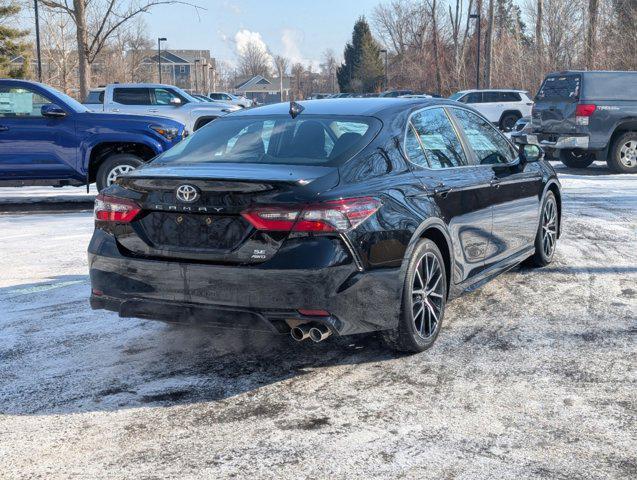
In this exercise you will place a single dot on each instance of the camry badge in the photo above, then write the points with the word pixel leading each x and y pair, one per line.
pixel 187 193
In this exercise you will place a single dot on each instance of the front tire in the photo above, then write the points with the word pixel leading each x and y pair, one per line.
pixel 546 237
pixel 114 166
pixel 623 155
pixel 423 302
pixel 576 158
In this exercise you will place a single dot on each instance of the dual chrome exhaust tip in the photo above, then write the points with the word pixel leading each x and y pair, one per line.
pixel 316 332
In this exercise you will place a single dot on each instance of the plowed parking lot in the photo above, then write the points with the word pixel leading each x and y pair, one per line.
pixel 533 376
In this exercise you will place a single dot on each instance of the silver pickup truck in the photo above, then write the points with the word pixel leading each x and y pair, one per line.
pixel 157 100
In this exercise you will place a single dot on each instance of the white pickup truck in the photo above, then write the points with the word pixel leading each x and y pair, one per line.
pixel 159 100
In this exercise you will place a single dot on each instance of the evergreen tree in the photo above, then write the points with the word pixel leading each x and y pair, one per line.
pixel 363 67
pixel 12 43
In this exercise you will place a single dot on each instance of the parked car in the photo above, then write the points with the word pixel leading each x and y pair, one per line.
pixel 238 100
pixel 416 95
pixel 202 98
pixel 395 93
pixel 158 100
pixel 318 222
pixel 523 124
pixel 502 107
pixel 48 138
pixel 588 115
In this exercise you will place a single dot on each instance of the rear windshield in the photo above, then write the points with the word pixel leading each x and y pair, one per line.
pixel 560 87
pixel 306 140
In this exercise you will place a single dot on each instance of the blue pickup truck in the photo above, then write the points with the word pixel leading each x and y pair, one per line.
pixel 48 138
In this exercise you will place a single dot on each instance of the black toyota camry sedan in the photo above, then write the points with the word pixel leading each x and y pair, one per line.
pixel 320 218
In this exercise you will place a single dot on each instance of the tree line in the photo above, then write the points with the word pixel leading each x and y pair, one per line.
pixel 433 44
pixel 429 45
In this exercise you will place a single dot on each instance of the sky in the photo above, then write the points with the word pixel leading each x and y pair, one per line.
pixel 298 29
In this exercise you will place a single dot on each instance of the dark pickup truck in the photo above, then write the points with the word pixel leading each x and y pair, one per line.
pixel 48 138
pixel 584 116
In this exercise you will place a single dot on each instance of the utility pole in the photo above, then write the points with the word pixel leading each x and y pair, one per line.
pixel 476 16
pixel 159 40
pixel 37 39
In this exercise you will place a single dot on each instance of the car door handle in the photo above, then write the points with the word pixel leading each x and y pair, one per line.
pixel 3 128
pixel 115 110
pixel 153 110
pixel 442 191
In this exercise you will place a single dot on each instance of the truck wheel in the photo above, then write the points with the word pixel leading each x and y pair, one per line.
pixel 507 122
pixel 576 158
pixel 623 154
pixel 114 166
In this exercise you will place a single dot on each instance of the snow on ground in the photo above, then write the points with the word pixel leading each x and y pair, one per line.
pixel 46 195
pixel 533 376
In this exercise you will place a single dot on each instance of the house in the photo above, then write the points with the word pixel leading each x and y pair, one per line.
pixel 263 89
pixel 188 69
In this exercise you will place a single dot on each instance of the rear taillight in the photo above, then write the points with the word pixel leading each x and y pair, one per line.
pixel 113 209
pixel 334 216
pixel 583 112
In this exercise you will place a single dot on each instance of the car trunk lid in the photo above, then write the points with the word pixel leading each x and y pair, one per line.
pixel 208 225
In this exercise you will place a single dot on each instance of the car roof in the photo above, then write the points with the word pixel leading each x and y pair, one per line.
pixel 142 85
pixel 591 72
pixel 494 90
pixel 370 106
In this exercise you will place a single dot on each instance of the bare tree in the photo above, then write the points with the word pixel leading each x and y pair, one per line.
pixel 591 32
pixel 488 63
pixel 328 70
pixel 281 65
pixel 253 60
pixel 96 21
pixel 59 56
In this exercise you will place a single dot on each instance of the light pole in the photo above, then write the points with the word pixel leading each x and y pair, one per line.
pixel 159 40
pixel 37 39
pixel 384 50
pixel 476 16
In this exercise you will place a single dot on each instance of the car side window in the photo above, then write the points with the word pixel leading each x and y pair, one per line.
pixel 510 97
pixel 163 96
pixel 488 144
pixel 21 102
pixel 131 96
pixel 491 97
pixel 413 149
pixel 473 97
pixel 438 138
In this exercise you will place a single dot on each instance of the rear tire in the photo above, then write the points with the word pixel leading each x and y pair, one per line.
pixel 423 302
pixel 623 154
pixel 508 120
pixel 546 237
pixel 115 165
pixel 576 158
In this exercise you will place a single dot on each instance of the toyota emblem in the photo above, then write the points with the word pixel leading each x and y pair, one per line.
pixel 187 193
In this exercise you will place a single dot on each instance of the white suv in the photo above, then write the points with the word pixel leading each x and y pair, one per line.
pixel 502 107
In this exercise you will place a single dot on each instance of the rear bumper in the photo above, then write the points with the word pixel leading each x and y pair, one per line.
pixel 558 142
pixel 242 297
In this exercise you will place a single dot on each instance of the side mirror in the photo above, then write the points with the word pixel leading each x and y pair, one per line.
pixel 531 153
pixel 175 102
pixel 52 110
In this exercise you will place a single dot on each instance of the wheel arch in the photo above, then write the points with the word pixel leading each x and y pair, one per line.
pixel 433 229
pixel 507 112
pixel 101 151
pixel 554 187
pixel 629 125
